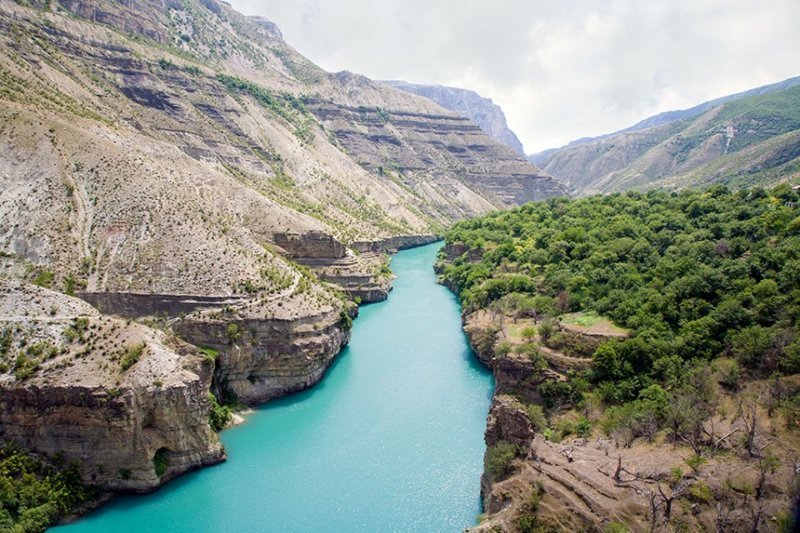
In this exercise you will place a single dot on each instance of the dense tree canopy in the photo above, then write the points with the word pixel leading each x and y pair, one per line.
pixel 692 275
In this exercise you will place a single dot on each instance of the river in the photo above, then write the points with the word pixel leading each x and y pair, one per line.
pixel 390 440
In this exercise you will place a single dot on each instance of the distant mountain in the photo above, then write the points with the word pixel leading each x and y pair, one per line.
pixel 743 139
pixel 482 111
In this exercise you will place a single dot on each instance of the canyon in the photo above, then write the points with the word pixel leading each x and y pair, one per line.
pixel 189 206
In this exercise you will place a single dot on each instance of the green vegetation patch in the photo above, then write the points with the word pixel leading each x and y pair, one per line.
pixel 286 105
pixel 131 355
pixel 498 459
pixel 705 283
pixel 35 492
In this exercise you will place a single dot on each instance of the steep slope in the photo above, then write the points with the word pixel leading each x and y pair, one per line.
pixel 110 394
pixel 482 111
pixel 177 159
pixel 646 357
pixel 741 140
pixel 199 127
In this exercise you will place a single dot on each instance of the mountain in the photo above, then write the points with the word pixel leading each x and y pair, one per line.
pixel 744 139
pixel 178 163
pixel 482 111
pixel 134 127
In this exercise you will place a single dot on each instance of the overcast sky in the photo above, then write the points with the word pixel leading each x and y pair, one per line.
pixel 560 69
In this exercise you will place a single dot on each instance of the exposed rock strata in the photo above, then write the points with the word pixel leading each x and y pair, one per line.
pixel 82 402
pixel 264 358
pixel 485 113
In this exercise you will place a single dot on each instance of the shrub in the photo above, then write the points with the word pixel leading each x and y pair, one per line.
pixel 232 332
pixel 503 349
pixel 131 355
pixel 547 329
pixel 36 491
pixel 44 278
pixel 700 492
pixel 729 373
pixel 345 321
pixel 695 462
pixel 219 415
pixel 536 416
pixel 211 354
pixel 499 458
pixel 528 333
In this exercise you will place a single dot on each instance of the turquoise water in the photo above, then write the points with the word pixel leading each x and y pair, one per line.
pixel 390 440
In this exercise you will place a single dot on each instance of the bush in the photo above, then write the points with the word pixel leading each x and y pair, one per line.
pixel 44 278
pixel 36 491
pixel 547 329
pixel 210 354
pixel 232 332
pixel 131 355
pixel 528 333
pixel 503 349
pixel 700 492
pixel 219 415
pixel 499 458
pixel 729 373
pixel 536 416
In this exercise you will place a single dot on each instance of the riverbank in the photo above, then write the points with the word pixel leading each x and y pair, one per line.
pixel 390 439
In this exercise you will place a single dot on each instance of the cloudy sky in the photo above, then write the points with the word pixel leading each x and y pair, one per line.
pixel 560 69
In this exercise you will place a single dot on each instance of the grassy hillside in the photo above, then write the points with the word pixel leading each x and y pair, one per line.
pixel 744 141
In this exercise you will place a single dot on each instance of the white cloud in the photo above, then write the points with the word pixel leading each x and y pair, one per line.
pixel 559 69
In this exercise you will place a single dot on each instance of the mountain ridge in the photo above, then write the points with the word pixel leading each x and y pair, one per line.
pixel 740 140
pixel 468 103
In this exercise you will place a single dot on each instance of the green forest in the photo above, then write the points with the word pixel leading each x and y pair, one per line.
pixel 703 281
pixel 35 491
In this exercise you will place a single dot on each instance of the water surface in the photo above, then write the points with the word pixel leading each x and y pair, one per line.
pixel 390 440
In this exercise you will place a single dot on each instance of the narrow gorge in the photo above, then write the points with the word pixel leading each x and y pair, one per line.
pixel 390 439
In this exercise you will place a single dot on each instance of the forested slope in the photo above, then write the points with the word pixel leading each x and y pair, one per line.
pixel 643 318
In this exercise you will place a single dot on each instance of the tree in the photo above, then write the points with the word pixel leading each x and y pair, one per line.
pixel 528 333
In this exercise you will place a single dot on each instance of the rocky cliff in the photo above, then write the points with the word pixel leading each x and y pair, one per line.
pixel 180 159
pixel 264 356
pixel 144 145
pixel 127 402
pixel 480 110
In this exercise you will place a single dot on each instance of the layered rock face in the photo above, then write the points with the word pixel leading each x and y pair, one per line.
pixel 445 155
pixel 129 403
pixel 482 111
pixel 264 358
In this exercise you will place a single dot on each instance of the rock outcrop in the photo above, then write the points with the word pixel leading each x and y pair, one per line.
pixel 129 403
pixel 261 358
pixel 482 111
pixel 508 421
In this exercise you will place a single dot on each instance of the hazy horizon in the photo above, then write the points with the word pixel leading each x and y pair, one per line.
pixel 559 70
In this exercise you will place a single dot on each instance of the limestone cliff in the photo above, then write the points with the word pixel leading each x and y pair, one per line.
pixel 127 402
pixel 482 111
pixel 265 356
